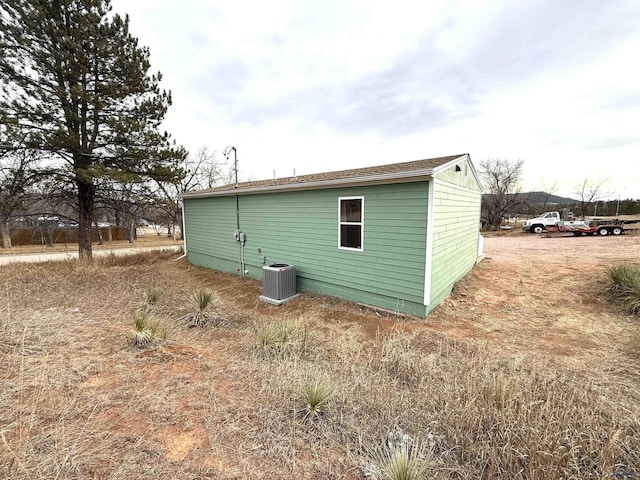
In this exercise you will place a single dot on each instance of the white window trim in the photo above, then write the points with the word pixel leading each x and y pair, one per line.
pixel 361 223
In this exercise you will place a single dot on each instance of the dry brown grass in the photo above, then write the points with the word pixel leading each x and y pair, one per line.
pixel 228 400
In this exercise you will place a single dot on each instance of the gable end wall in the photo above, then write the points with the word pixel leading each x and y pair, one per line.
pixel 456 217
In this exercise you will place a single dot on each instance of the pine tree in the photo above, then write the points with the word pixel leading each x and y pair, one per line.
pixel 76 85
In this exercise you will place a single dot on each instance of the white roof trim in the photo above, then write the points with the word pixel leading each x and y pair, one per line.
pixel 395 177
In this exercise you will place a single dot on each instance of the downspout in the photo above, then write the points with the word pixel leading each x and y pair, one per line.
pixel 184 235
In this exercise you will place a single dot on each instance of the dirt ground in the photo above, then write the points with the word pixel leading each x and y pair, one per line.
pixel 201 407
pixel 533 293
pixel 542 293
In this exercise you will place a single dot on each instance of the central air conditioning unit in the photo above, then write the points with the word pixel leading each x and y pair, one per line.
pixel 278 283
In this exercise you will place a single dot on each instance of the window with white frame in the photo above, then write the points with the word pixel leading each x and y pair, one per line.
pixel 351 223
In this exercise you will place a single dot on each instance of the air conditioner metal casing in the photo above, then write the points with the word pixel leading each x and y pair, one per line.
pixel 278 283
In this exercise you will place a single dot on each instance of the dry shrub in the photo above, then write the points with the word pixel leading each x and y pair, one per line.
pixel 400 359
pixel 284 339
pixel 142 258
pixel 153 295
pixel 625 286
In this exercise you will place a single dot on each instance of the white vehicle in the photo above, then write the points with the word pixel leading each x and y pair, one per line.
pixel 551 222
pixel 540 224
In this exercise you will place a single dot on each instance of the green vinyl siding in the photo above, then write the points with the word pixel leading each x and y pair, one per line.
pixel 209 233
pixel 301 228
pixel 456 216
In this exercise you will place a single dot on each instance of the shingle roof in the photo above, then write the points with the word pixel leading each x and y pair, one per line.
pixel 424 167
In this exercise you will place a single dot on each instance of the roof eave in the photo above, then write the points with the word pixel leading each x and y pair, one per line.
pixel 396 177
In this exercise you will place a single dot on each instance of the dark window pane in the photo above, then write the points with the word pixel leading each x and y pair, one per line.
pixel 351 210
pixel 351 236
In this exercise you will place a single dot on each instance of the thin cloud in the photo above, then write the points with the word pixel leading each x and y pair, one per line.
pixel 612 143
pixel 547 80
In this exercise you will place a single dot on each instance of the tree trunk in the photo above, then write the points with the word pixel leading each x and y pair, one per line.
pixel 180 222
pixel 100 239
pixel 86 201
pixel 48 235
pixel 6 235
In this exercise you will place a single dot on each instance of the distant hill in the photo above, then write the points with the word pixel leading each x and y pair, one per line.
pixel 534 203
pixel 536 198
pixel 528 203
pixel 540 198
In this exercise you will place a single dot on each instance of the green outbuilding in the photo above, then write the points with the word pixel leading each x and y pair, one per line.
pixel 395 236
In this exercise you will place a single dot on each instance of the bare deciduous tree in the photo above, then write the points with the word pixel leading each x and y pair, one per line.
pixel 589 191
pixel 16 178
pixel 203 170
pixel 502 191
pixel 548 190
pixel 128 203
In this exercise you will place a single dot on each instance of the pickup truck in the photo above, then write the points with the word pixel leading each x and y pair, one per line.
pixel 540 224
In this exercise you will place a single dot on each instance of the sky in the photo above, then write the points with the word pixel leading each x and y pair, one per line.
pixel 339 84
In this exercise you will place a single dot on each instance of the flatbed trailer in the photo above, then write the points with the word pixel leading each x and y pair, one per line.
pixel 600 227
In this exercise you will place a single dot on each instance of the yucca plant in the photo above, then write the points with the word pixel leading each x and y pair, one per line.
pixel 201 300
pixel 316 395
pixel 625 286
pixel 146 331
pixel 400 458
pixel 153 295
pixel 402 465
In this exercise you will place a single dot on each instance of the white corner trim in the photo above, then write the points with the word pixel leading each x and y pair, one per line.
pixel 431 185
